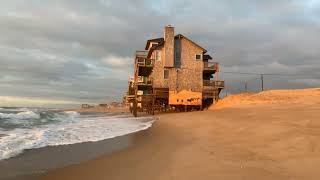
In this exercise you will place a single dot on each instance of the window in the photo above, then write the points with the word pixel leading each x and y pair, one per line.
pixel 158 55
pixel 177 53
pixel 198 56
pixel 177 59
pixel 166 74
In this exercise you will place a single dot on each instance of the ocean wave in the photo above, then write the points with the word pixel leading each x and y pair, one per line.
pixel 72 114
pixel 71 128
pixel 30 119
pixel 16 109
pixel 20 115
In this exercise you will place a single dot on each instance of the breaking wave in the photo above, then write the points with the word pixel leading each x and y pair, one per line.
pixel 21 115
pixel 29 130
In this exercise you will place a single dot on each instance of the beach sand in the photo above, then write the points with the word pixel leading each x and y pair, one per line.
pixel 274 135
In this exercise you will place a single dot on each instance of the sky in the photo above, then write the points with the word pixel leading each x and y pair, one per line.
pixel 61 52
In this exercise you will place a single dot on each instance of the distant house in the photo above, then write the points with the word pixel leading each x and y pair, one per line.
pixel 174 71
pixel 115 104
pixel 103 105
pixel 129 95
pixel 85 106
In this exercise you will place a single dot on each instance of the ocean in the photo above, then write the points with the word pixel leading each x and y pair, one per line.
pixel 30 128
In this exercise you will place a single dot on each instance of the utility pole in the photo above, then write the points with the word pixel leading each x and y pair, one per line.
pixel 226 91
pixel 246 86
pixel 262 88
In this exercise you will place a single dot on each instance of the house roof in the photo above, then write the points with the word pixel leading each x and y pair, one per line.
pixel 161 41
pixel 156 40
pixel 154 47
pixel 207 57
pixel 182 36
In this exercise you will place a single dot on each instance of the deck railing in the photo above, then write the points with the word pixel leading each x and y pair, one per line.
pixel 213 83
pixel 211 66
pixel 145 62
pixel 141 54
pixel 142 80
pixel 210 94
pixel 145 98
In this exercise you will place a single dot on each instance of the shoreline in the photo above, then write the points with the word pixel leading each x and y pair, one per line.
pixel 251 142
pixel 254 139
pixel 98 110
pixel 49 158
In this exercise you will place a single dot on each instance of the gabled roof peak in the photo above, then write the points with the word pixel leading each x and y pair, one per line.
pixel 179 36
pixel 156 40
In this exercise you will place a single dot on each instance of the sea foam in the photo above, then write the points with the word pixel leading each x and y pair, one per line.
pixel 68 128
pixel 20 115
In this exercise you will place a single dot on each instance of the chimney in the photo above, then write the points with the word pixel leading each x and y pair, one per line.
pixel 169 46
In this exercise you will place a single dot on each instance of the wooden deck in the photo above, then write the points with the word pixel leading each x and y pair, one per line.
pixel 213 83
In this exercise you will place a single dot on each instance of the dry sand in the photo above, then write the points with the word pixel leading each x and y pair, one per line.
pixel 270 135
pixel 273 97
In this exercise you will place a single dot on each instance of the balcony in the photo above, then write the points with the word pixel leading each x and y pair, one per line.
pixel 210 66
pixel 211 93
pixel 213 83
pixel 145 62
pixel 141 54
pixel 144 81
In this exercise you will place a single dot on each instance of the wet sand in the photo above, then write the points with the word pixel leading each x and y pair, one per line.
pixel 35 162
pixel 251 141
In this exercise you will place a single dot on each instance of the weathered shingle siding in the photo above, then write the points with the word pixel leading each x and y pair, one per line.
pixel 157 73
pixel 169 46
pixel 190 74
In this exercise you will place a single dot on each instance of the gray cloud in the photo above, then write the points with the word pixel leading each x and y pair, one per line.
pixel 81 50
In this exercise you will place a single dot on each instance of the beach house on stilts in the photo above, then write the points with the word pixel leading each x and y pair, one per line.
pixel 173 72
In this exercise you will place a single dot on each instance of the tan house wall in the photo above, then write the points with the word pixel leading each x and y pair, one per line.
pixel 157 74
pixel 190 74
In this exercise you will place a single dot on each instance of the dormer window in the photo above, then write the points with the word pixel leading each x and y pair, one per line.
pixel 198 56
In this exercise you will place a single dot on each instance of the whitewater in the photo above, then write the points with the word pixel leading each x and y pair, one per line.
pixel 29 128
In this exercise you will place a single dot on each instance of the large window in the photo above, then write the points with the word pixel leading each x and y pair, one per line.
pixel 166 74
pixel 177 53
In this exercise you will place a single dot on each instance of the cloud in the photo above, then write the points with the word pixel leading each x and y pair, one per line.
pixel 116 61
pixel 63 48
pixel 38 102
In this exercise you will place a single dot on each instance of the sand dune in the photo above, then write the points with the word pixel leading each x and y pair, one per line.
pixel 298 97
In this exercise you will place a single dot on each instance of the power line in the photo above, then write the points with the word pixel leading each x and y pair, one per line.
pixel 240 73
pixel 267 74
pixel 260 74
